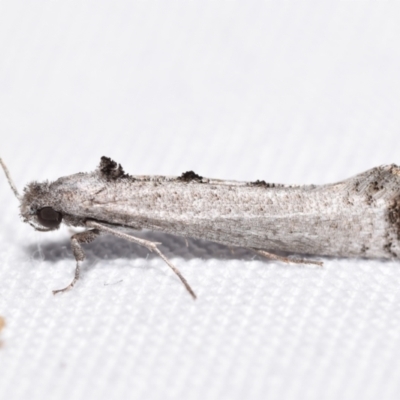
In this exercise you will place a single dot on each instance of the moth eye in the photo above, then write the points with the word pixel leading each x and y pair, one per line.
pixel 49 217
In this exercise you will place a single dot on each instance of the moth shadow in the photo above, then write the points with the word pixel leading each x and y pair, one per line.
pixel 107 247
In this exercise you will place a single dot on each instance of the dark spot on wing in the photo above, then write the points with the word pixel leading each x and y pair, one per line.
pixel 190 176
pixel 110 170
pixel 393 234
pixel 265 184
pixel 388 248
pixel 394 216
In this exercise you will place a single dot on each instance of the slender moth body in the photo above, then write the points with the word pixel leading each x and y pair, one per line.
pixel 357 217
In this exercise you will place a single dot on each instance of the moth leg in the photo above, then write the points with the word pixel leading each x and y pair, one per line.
pixel 79 254
pixel 273 256
pixel 151 246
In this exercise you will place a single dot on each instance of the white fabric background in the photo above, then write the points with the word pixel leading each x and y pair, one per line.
pixel 289 93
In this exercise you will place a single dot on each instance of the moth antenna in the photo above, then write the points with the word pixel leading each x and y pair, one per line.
pixel 10 181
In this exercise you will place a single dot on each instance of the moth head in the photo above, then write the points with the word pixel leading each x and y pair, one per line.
pixel 36 204
pixel 38 209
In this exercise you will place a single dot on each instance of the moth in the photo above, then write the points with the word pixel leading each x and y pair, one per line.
pixel 357 217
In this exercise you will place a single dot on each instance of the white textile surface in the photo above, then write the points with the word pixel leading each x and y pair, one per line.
pixel 292 92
